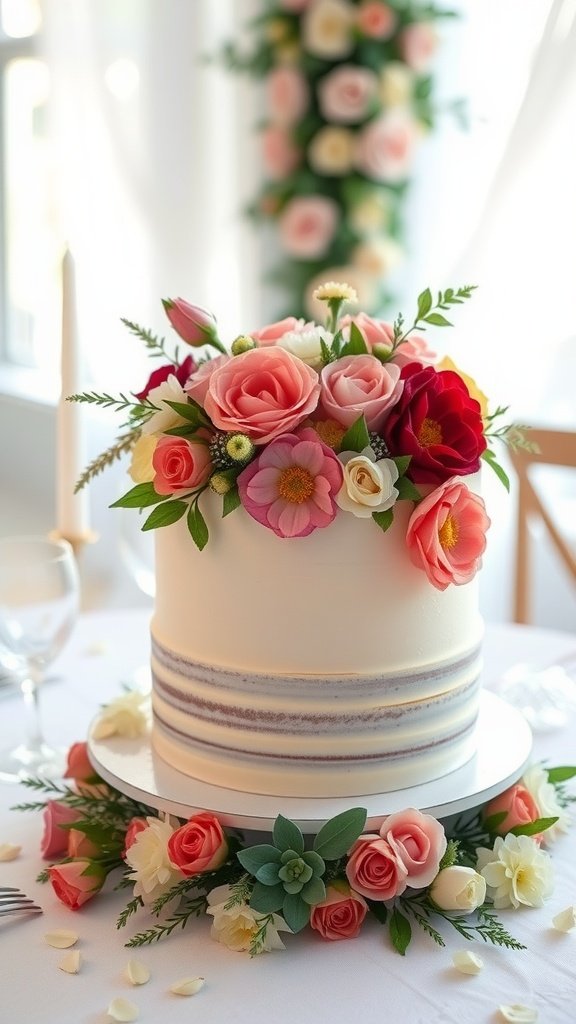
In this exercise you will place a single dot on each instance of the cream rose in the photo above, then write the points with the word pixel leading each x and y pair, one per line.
pixel 170 390
pixel 368 484
pixel 458 888
pixel 331 151
pixel 396 84
pixel 148 857
pixel 141 469
pixel 124 716
pixel 327 29
pixel 378 256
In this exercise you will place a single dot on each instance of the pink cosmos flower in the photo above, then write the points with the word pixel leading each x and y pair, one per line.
pixel 272 333
pixel 197 384
pixel 345 94
pixel 280 153
pixel 360 384
pixel 288 94
pixel 55 838
pixel 385 147
pixel 446 535
pixel 306 226
pixel 340 915
pixel 263 393
pixel 418 43
pixel 291 487
pixel 419 842
pixel 375 19
pixel 77 881
pixel 180 464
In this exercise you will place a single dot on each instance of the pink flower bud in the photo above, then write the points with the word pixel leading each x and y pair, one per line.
pixel 76 881
pixel 196 326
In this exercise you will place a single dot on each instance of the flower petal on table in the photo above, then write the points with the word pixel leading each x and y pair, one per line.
pixel 61 938
pixel 187 986
pixel 122 1010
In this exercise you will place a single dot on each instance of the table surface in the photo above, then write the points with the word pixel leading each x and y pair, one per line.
pixel 311 981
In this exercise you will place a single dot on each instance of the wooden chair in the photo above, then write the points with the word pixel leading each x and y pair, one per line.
pixel 556 448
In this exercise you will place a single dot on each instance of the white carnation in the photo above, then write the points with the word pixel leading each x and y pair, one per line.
pixel 148 857
pixel 544 794
pixel 517 872
pixel 236 926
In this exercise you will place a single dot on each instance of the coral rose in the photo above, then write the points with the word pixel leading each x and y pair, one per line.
pixel 306 226
pixel 77 881
pixel 375 19
pixel 197 846
pixel 340 915
pixel 437 423
pixel 262 393
pixel 346 94
pixel 518 805
pixel 374 870
pixel 78 764
pixel 197 384
pixel 419 843
pixel 446 534
pixel 360 384
pixel 180 464
pixel 55 838
pixel 79 845
pixel 385 147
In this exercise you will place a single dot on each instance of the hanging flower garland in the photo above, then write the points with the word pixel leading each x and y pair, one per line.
pixel 348 95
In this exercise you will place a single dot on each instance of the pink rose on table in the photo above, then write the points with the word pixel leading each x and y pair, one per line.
pixel 180 464
pixel 418 43
pixel 77 881
pixel 291 487
pixel 157 377
pixel 374 870
pixel 262 393
pixel 306 226
pixel 340 915
pixel 446 534
pixel 360 384
pixel 136 826
pixel 79 845
pixel 385 147
pixel 195 325
pixel 272 333
pixel 196 385
pixel 55 838
pixel 287 93
pixel 418 841
pixel 346 94
pixel 280 153
pixel 375 19
pixel 436 422
pixel 518 805
pixel 198 845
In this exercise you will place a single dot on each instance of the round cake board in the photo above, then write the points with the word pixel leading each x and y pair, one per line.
pixel 504 744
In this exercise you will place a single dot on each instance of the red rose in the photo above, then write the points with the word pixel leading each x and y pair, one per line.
pixel 340 915
pixel 158 376
pixel 198 846
pixel 77 881
pixel 437 423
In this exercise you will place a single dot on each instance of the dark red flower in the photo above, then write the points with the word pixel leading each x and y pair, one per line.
pixel 437 423
pixel 158 376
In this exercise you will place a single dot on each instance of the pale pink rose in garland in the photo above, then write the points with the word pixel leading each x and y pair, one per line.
pixel 418 43
pixel 291 487
pixel 407 852
pixel 340 915
pixel 385 147
pixel 446 535
pixel 288 95
pixel 280 153
pixel 180 464
pixel 346 94
pixel 360 384
pixel 376 20
pixel 373 869
pixel 307 225
pixel 272 333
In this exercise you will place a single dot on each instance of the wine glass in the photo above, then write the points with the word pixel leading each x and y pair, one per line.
pixel 39 596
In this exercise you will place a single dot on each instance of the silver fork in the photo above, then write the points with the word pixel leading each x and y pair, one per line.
pixel 13 901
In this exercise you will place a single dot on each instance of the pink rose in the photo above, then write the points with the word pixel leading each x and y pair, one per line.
pixel 346 94
pixel 446 534
pixel 360 384
pixel 306 226
pixel 198 846
pixel 79 845
pixel 414 350
pixel 136 826
pixel 77 881
pixel 180 464
pixel 195 325
pixel 375 19
pixel 519 806
pixel 55 838
pixel 157 377
pixel 280 153
pixel 385 147
pixel 340 915
pixel 419 843
pixel 273 332
pixel 288 94
pixel 417 43
pixel 263 393
pixel 78 765
pixel 374 870
pixel 197 384
pixel 379 332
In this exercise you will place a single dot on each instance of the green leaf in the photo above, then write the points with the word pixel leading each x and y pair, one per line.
pixel 327 354
pixel 287 835
pixel 314 891
pixel 356 437
pixel 400 931
pixel 491 824
pixel 188 411
pixel 490 458
pixel 166 514
pixel 402 462
pixel 561 774
pixel 268 874
pixel 314 861
pixel 407 491
pixel 355 346
pixel 230 501
pixel 267 899
pixel 532 828
pixel 384 519
pixel 197 526
pixel 339 833
pixel 254 857
pixel 437 319
pixel 380 911
pixel 140 497
pixel 296 912
pixel 424 303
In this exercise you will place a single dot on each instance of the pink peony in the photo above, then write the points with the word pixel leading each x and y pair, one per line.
pixel 273 332
pixel 291 487
pixel 385 147
pixel 77 881
pixel 374 870
pixel 136 826
pixel 195 325
pixel 198 845
pixel 446 534
pixel 346 94
pixel 279 151
pixel 55 838
pixel 307 225
pixel 419 842
pixel 375 19
pixel 360 384
pixel 417 43
pixel 197 384
pixel 263 393
pixel 180 464
pixel 157 377
pixel 340 915
pixel 288 94
pixel 519 806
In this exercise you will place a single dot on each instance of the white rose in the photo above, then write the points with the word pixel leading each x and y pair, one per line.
pixel 327 29
pixel 148 857
pixel 141 469
pixel 368 484
pixel 237 925
pixel 546 799
pixel 306 344
pixel 125 716
pixel 517 872
pixel 170 390
pixel 396 84
pixel 458 888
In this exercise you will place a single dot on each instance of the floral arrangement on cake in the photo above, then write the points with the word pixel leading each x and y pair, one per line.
pixel 303 422
pixel 407 871
pixel 348 94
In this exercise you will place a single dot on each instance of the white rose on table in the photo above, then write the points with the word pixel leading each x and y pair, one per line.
pixel 458 888
pixel 368 484
pixel 236 926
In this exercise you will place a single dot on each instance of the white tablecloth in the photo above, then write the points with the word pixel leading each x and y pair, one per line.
pixel 311 982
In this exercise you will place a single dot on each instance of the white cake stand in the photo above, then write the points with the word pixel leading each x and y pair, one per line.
pixel 504 745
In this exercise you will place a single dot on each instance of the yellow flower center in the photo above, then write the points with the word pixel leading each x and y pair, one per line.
pixel 448 533
pixel 430 433
pixel 296 484
pixel 330 432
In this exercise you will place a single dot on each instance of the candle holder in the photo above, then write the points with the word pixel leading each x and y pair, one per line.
pixel 77 541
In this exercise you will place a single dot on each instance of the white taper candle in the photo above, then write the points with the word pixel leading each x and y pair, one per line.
pixel 71 509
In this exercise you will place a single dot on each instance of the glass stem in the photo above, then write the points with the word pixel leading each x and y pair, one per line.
pixel 29 688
